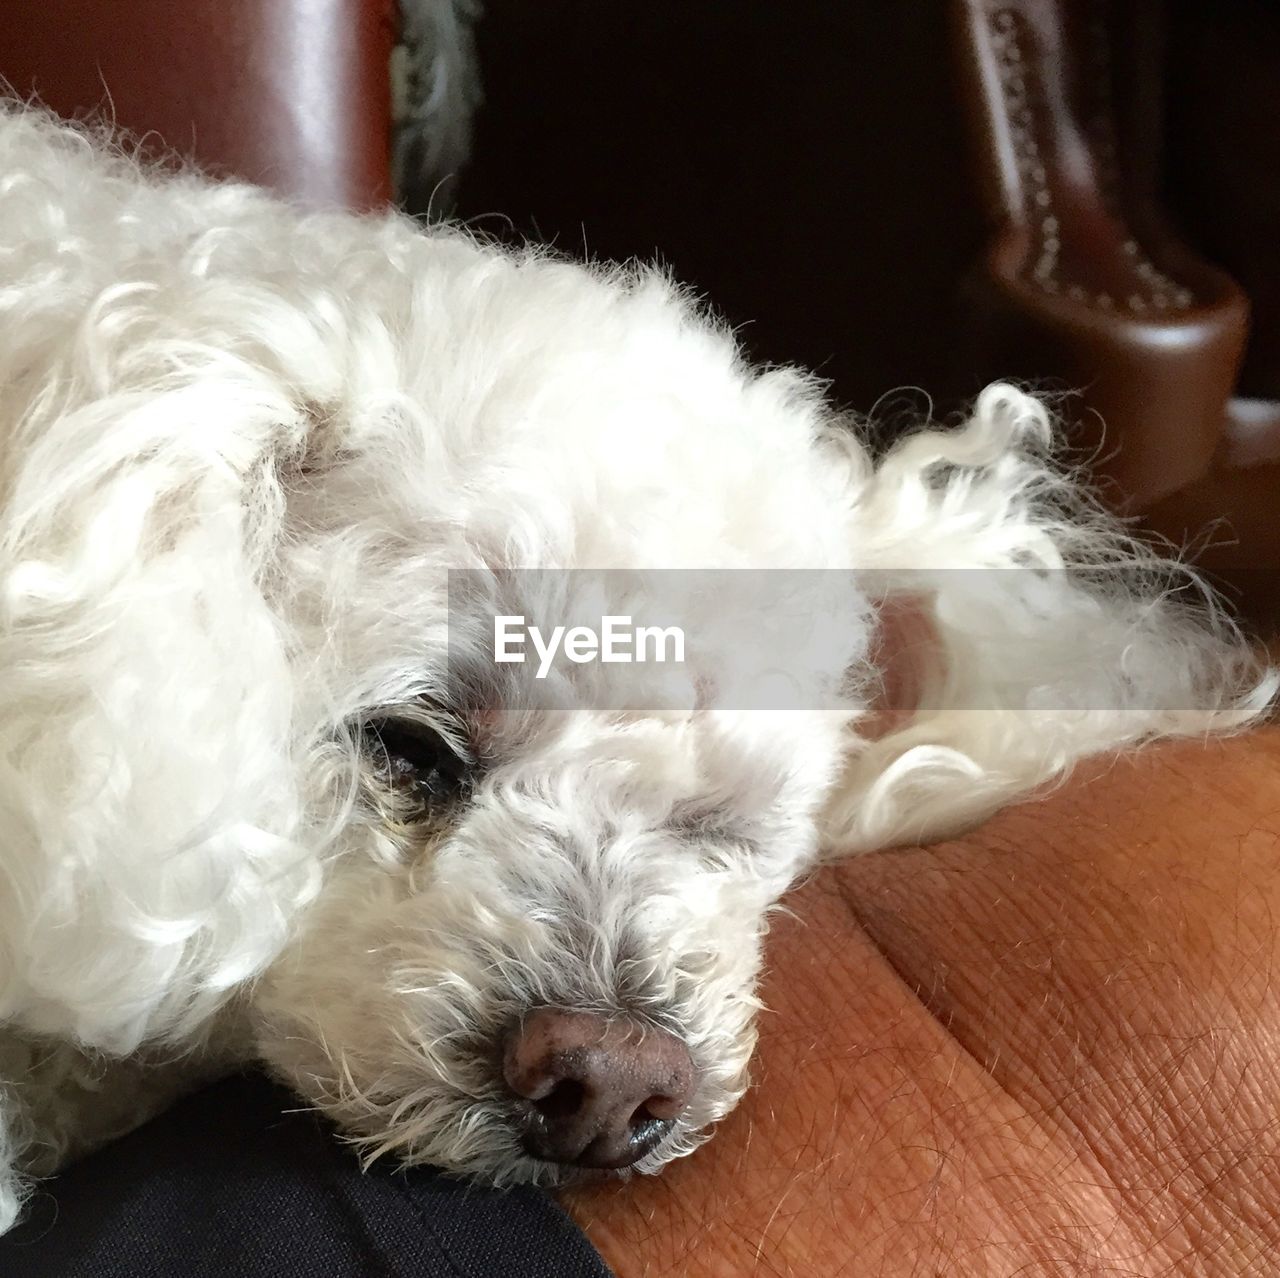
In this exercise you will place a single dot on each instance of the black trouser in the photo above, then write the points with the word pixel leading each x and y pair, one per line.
pixel 230 1184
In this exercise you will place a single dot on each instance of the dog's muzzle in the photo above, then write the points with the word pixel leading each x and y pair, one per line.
pixel 595 1090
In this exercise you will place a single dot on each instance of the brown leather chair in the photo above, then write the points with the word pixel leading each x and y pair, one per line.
pixel 292 94
pixel 1084 280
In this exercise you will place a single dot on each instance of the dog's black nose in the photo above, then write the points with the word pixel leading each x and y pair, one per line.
pixel 602 1090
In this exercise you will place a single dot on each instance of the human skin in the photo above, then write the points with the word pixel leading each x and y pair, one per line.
pixel 1049 1047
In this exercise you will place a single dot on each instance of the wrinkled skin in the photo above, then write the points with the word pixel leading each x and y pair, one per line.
pixel 1050 1047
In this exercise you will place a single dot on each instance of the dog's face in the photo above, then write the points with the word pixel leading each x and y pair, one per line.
pixel 617 868
pixel 539 943
pixel 538 940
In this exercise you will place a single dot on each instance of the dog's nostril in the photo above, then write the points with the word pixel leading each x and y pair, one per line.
pixel 562 1101
pixel 601 1091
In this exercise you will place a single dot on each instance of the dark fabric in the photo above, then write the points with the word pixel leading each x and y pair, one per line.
pixel 231 1184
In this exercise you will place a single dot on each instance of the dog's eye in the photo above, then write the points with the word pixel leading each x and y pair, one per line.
pixel 416 759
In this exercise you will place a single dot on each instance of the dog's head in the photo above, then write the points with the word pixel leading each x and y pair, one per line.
pixel 539 934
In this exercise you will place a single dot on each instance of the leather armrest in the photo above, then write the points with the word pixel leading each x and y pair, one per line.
pixel 1082 282
pixel 291 94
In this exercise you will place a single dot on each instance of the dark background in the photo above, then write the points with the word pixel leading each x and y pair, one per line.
pixel 804 165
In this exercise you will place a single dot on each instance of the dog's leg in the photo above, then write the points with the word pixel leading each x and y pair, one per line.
pixel 13 1185
pixel 1037 632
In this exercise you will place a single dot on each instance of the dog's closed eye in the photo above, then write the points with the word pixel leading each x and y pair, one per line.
pixel 418 761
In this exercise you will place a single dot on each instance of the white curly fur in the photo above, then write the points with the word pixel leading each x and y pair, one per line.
pixel 242 446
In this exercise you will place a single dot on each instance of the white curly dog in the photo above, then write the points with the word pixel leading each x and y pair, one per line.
pixel 265 791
